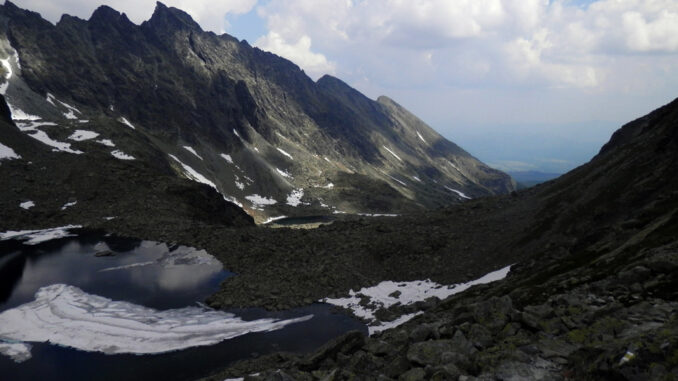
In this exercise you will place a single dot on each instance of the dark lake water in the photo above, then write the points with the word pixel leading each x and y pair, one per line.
pixel 147 274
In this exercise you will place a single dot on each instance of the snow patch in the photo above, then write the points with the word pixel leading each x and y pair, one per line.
pixel 50 99
pixel 383 295
pixel 7 153
pixel 82 135
pixel 66 315
pixel 42 137
pixel 326 159
pixel 19 114
pixel 8 75
pixel 459 193
pixel 126 122
pixel 378 215
pixel 194 175
pixel 417 178
pixel 258 202
pixel 34 237
pixel 294 198
pixel 233 200
pixel 393 153
pixel 421 137
pixel 9 71
pixel 283 173
pixel 68 205
pixel 240 185
pixel 32 125
pixel 121 155
pixel 285 153
pixel 399 181
pixel 191 150
pixel 19 352
pixel 454 166
pixel 228 158
pixel 268 221
pixel 106 142
pixel 27 205
pixel 70 115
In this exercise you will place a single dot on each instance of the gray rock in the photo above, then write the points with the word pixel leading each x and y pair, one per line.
pixel 428 352
pixel 447 372
pixel 538 369
pixel 493 313
pixel 460 344
pixel 480 336
pixel 414 374
pixel 379 348
pixel 424 332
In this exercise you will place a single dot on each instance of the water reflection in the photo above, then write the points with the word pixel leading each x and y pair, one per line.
pixel 148 274
pixel 171 278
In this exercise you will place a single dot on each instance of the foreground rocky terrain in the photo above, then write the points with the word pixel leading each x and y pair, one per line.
pixel 593 295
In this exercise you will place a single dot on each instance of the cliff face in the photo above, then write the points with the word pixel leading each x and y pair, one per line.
pixel 264 134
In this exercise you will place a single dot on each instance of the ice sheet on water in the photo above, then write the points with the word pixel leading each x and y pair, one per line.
pixel 19 352
pixel 34 237
pixel 66 315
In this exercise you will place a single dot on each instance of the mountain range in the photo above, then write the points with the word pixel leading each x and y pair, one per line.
pixel 167 96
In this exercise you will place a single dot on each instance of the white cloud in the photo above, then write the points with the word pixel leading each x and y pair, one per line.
pixel 314 64
pixel 210 14
pixel 544 43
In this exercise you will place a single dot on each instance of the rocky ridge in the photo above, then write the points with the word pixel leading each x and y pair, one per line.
pixel 247 122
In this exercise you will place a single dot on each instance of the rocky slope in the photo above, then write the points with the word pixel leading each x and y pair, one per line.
pixel 593 295
pixel 244 121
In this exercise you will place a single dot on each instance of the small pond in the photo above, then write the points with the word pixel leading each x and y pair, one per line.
pixel 68 314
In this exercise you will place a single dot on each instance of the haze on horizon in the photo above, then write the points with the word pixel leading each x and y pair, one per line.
pixel 520 84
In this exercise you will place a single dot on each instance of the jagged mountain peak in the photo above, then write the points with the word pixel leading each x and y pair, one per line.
pixel 105 15
pixel 104 12
pixel 172 18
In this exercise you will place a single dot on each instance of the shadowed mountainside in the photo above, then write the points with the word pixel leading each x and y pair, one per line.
pixel 248 122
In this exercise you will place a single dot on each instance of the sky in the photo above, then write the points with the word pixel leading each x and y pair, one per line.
pixel 520 84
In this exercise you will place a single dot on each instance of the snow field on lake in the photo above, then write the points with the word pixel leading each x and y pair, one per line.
pixel 66 315
pixel 34 237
